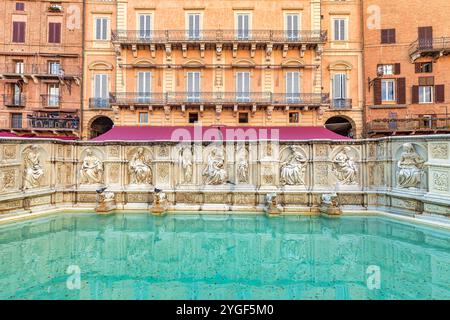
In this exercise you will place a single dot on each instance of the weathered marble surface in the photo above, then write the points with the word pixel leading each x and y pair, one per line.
pixel 405 174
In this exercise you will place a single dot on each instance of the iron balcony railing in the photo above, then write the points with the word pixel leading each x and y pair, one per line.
pixel 429 45
pixel 51 100
pixel 218 98
pixel 14 100
pixel 340 104
pixel 56 123
pixel 40 70
pixel 218 36
pixel 438 123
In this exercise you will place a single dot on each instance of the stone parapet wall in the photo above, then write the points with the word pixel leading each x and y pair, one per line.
pixel 402 174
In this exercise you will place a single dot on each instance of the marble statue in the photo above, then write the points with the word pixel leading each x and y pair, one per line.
pixel 344 167
pixel 272 204
pixel 214 172
pixel 33 170
pixel 330 204
pixel 106 201
pixel 293 169
pixel 242 165
pixel 139 168
pixel 160 202
pixel 186 164
pixel 410 167
pixel 91 171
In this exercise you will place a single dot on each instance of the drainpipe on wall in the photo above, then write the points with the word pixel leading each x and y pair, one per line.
pixel 82 68
pixel 364 106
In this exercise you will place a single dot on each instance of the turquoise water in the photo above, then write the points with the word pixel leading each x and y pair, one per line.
pixel 139 256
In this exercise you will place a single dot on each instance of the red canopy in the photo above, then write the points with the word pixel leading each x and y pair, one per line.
pixel 210 133
pixel 6 134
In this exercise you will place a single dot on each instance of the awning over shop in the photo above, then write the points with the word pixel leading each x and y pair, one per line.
pixel 212 133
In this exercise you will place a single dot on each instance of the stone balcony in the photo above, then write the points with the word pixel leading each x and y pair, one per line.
pixel 306 100
pixel 435 48
pixel 220 39
pixel 14 100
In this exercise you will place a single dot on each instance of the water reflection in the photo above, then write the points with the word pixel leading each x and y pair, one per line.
pixel 138 256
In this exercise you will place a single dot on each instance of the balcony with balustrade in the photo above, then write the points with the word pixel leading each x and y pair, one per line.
pixel 43 120
pixel 340 104
pixel 17 100
pixel 414 125
pixel 435 48
pixel 302 100
pixel 227 38
pixel 36 71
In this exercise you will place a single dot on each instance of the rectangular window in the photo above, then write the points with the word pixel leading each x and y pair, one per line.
pixel 243 26
pixel 243 117
pixel 20 6
pixel 292 26
pixel 144 86
pixel 17 95
pixel 144 26
pixel 387 69
pixel 340 30
pixel 424 67
pixel 101 28
pixel 425 94
pixel 193 86
pixel 243 86
pixel 293 117
pixel 143 117
pixel 193 26
pixel 54 67
pixel 388 36
pixel 16 120
pixel 193 117
pixel 388 90
pixel 101 89
pixel 292 86
pixel 54 32
pixel 19 31
pixel 53 95
pixel 18 66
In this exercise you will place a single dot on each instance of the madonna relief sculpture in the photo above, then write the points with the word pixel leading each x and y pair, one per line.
pixel 344 167
pixel 139 168
pixel 33 170
pixel 410 167
pixel 91 171
pixel 293 169
pixel 214 171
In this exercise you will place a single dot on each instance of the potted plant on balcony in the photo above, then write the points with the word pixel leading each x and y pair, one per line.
pixel 55 7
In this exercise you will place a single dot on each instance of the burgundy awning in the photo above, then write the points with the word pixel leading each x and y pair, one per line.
pixel 210 133
pixel 6 134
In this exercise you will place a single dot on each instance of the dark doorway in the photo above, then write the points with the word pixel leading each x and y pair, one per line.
pixel 340 126
pixel 100 125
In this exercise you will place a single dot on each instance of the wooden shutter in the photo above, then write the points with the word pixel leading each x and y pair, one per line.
pixel 401 91
pixel 415 94
pixel 418 67
pixel 54 32
pixel 377 92
pixel 18 31
pixel 397 68
pixel 383 36
pixel 425 37
pixel 439 93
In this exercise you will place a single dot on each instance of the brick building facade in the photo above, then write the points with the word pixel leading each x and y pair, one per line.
pixel 262 63
pixel 40 67
pixel 407 66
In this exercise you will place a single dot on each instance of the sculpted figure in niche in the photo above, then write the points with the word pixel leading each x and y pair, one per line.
pixel 91 169
pixel 242 165
pixel 214 172
pixel 186 164
pixel 344 167
pixel 293 169
pixel 139 168
pixel 33 169
pixel 410 167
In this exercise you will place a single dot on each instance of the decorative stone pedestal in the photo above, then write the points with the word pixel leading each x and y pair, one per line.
pixel 106 202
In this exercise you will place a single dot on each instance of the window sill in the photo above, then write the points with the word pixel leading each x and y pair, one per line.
pixel 388 106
